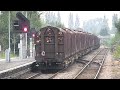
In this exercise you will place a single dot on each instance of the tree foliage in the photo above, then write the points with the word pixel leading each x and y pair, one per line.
pixel 70 21
pixel 104 32
pixel 116 39
pixel 77 22
pixel 114 20
pixel 96 25
pixel 35 22
pixel 115 42
pixel 93 25
pixel 4 30
pixel 117 25
pixel 53 20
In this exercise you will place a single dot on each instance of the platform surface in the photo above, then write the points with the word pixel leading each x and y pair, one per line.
pixel 14 62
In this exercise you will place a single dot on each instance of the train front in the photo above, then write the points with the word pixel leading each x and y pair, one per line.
pixel 47 49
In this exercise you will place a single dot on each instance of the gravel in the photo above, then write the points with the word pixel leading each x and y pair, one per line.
pixel 108 68
pixel 70 72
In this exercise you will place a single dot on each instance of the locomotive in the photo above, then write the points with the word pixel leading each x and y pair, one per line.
pixel 57 48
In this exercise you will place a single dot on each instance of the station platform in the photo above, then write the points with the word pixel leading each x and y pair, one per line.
pixel 14 62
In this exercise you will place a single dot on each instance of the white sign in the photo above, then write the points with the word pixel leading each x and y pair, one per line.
pixel 18 45
pixel 0 47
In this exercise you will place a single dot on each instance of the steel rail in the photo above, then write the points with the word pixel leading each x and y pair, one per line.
pixel 33 76
pixel 58 72
pixel 86 65
pixel 96 76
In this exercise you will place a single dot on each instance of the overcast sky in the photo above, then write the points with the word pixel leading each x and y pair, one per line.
pixel 87 15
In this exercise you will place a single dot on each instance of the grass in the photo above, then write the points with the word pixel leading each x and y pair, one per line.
pixel 12 55
pixel 116 54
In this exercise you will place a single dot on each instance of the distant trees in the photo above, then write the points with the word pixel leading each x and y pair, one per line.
pixel 105 28
pixel 77 22
pixel 104 32
pixel 117 25
pixel 35 21
pixel 58 20
pixel 96 25
pixel 116 29
pixel 53 20
pixel 58 17
pixel 114 20
pixel 70 21
pixel 4 30
pixel 93 25
pixel 115 41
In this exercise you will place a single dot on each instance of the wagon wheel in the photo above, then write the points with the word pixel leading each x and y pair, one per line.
pixel 33 67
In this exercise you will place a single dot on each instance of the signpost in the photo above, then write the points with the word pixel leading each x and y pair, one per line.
pixel 0 47
pixel 8 52
pixel 22 26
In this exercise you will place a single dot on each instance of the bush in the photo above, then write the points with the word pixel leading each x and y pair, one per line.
pixel 116 54
pixel 12 55
pixel 2 55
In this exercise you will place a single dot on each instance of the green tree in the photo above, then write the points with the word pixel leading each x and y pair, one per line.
pixel 58 21
pixel 35 22
pixel 35 19
pixel 116 40
pixel 105 25
pixel 4 30
pixel 117 25
pixel 70 21
pixel 93 25
pixel 104 32
pixel 58 17
pixel 53 20
pixel 77 22
pixel 114 20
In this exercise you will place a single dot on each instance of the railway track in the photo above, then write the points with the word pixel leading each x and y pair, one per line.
pixel 68 70
pixel 62 74
pixel 15 71
pixel 92 69
pixel 67 73
pixel 79 70
pixel 54 75
pixel 47 76
pixel 25 74
pixel 33 76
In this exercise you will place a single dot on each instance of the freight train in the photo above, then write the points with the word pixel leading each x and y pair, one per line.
pixel 57 48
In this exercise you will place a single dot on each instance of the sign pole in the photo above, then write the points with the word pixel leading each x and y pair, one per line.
pixel 26 39
pixel 9 38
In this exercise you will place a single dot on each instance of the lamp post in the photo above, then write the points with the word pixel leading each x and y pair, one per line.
pixel 26 37
pixel 9 37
